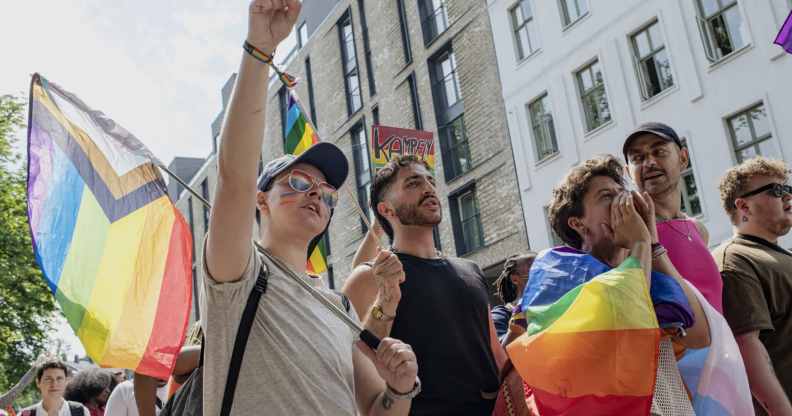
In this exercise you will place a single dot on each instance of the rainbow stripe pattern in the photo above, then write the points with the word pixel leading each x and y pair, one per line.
pixel 593 351
pixel 113 249
pixel 300 135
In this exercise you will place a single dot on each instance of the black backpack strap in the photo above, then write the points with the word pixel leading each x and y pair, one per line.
pixel 75 409
pixel 344 300
pixel 241 339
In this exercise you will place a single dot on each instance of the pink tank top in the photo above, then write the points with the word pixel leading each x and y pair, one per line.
pixel 692 258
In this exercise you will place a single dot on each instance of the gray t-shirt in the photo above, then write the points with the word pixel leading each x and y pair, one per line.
pixel 298 359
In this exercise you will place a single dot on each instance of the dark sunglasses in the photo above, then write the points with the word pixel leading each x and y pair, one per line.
pixel 302 181
pixel 775 189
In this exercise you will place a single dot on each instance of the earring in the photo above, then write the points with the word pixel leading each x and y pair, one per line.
pixel 744 218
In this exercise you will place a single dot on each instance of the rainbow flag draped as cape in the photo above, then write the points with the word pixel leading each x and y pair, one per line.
pixel 112 247
pixel 593 351
pixel 300 135
pixel 570 297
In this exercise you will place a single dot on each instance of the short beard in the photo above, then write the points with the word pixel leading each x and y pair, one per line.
pixel 409 214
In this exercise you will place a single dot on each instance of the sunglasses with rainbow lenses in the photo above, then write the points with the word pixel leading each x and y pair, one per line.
pixel 303 182
pixel 775 189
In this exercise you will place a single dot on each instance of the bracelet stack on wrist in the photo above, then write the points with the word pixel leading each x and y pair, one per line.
pixel 268 59
pixel 658 250
pixel 395 395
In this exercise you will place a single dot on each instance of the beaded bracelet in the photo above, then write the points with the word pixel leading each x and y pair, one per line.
pixel 263 57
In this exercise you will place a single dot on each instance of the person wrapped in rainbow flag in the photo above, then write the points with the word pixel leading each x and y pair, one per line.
pixel 609 325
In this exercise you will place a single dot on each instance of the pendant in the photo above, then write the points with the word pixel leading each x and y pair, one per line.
pixel 690 238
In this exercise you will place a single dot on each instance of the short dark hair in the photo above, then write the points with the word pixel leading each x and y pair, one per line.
pixel 51 363
pixel 567 199
pixel 384 179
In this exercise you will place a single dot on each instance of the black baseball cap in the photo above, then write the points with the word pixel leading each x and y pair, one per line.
pixel 663 131
pixel 326 157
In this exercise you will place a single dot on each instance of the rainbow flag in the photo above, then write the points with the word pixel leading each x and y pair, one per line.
pixel 300 135
pixel 593 351
pixel 112 247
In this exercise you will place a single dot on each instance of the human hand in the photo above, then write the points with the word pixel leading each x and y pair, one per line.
pixel 626 224
pixel 644 204
pixel 270 21
pixel 395 362
pixel 389 274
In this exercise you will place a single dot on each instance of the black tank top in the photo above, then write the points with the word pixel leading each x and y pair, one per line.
pixel 443 316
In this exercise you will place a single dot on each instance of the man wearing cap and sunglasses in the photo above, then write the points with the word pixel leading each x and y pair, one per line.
pixel 656 159
pixel 757 277
pixel 299 358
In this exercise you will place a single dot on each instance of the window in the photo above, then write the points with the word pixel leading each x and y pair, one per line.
pixel 405 32
pixel 360 155
pixel 205 195
pixel 434 18
pixel 309 80
pixel 415 101
pixel 554 239
pixel 544 135
pixel 302 35
pixel 367 50
pixel 466 221
pixel 449 110
pixel 456 153
pixel 349 63
pixel 750 134
pixel 691 204
pixel 573 10
pixel 591 85
pixel 526 40
pixel 651 59
pixel 721 27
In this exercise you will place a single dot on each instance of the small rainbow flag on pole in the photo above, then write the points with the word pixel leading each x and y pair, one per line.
pixel 300 135
pixel 113 249
pixel 593 351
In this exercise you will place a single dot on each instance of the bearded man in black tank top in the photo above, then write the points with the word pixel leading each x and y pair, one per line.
pixel 437 304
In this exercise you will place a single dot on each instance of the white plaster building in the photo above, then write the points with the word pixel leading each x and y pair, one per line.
pixel 579 75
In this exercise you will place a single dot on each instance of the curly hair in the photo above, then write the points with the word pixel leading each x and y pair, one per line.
pixel 567 199
pixel 88 384
pixel 735 180
pixel 504 287
pixel 385 178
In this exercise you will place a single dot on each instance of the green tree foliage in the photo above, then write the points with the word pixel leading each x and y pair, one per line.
pixel 26 304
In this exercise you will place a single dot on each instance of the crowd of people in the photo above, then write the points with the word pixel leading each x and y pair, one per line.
pixel 442 349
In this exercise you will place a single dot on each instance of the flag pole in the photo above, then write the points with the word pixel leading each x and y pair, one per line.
pixel 365 335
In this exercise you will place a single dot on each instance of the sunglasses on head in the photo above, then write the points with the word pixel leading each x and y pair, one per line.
pixel 775 189
pixel 302 181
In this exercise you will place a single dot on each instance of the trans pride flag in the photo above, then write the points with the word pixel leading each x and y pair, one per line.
pixel 300 135
pixel 113 249
pixel 588 351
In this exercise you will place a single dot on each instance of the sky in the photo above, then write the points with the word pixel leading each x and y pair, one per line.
pixel 156 67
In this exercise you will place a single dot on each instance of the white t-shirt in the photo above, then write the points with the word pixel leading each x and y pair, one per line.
pixel 38 410
pixel 122 400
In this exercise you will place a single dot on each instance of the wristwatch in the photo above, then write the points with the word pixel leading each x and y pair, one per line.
pixel 380 315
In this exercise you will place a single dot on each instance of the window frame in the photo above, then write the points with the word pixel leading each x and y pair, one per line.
pixel 353 72
pixel 755 141
pixel 448 115
pixel 428 13
pixel 686 197
pixel 639 61
pixel 415 101
pixel 360 154
pixel 463 246
pixel 300 40
pixel 367 49
pixel 566 18
pixel 707 34
pixel 310 85
pixel 405 32
pixel 584 94
pixel 544 99
pixel 205 195
pixel 525 25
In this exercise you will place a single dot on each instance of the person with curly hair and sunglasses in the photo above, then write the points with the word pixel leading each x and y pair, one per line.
pixel 757 277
